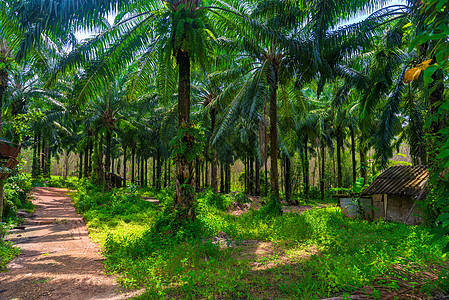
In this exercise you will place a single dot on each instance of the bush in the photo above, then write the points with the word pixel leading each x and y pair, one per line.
pixel 219 201
pixel 16 190
pixel 241 198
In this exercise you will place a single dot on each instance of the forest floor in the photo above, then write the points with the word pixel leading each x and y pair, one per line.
pixel 58 261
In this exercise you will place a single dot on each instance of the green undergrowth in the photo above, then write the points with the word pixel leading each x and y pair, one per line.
pixel 294 256
pixel 17 190
pixel 7 251
pixel 70 182
pixel 16 196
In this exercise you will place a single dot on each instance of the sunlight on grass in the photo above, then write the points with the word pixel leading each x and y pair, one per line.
pixel 316 253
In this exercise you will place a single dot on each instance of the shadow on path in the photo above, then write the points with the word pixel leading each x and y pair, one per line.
pixel 58 261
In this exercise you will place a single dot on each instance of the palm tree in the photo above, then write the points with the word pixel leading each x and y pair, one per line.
pixel 171 33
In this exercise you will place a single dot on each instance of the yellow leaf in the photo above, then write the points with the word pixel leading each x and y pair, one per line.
pixel 424 64
pixel 412 74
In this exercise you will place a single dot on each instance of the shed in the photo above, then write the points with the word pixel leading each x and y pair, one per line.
pixel 8 154
pixel 394 193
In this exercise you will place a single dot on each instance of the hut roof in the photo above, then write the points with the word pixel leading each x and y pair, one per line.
pixel 399 180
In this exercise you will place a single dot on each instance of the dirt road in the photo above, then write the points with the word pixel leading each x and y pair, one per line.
pixel 58 260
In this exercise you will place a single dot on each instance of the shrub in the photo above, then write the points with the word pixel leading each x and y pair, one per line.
pixel 16 190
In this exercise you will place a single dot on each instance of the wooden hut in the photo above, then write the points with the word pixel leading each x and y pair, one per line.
pixel 395 192
pixel 8 154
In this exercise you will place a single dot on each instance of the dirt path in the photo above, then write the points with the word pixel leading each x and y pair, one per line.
pixel 58 260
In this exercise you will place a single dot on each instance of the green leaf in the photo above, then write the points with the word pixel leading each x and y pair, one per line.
pixel 429 72
pixel 443 217
pixel 358 185
pixel 446 248
pixel 445 105
pixel 443 154
pixel 440 5
pixel 210 34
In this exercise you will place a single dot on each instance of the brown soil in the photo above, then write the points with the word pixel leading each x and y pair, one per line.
pixel 58 261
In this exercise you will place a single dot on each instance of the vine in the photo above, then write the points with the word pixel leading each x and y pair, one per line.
pixel 188 143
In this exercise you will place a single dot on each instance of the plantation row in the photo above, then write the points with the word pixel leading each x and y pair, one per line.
pixel 192 84
pixel 293 101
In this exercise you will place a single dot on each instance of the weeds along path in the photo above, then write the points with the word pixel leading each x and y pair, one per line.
pixel 58 261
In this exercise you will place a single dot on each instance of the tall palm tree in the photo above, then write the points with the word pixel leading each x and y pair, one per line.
pixel 168 34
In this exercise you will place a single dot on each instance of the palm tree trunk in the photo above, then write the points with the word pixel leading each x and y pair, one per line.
pixel 112 164
pixel 146 172
pixel 159 171
pixel 282 175
pixel 86 161
pixel 339 146
pixel 133 154
pixel 66 165
pixel 245 163
pixel 137 178
pixel 266 177
pixel 203 174
pixel 38 155
pixel 214 168
pixel 306 167
pixel 274 181
pixel 354 162
pixel 288 183
pixel 185 193
pixel 251 175
pixel 98 160
pixel 169 172
pixel 124 165
pixel 41 154
pixel 142 171
pixel 35 167
pixel 206 171
pixel 80 174
pixel 107 159
pixel 91 151
pixel 323 162
pixel 228 178
pixel 363 165
pixel 165 174
pixel 48 165
pixel 222 188
pixel 197 174
pixel 257 192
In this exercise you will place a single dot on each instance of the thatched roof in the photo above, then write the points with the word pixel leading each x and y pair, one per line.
pixel 400 180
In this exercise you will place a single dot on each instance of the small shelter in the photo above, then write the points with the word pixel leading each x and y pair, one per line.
pixel 8 158
pixel 394 193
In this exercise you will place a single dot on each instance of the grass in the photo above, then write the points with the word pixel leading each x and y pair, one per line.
pixel 294 256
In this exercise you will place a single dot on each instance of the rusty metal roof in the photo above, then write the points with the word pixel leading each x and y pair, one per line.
pixel 400 180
